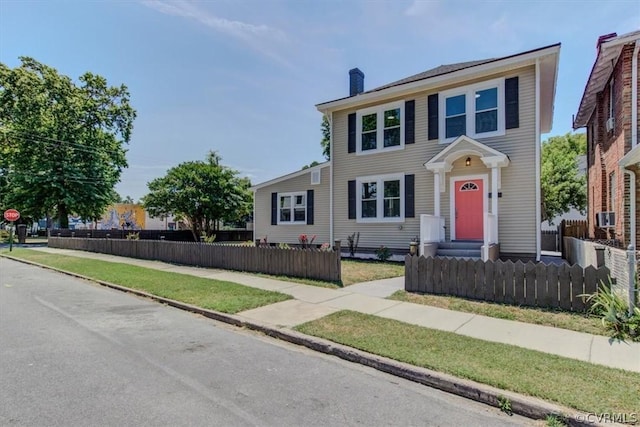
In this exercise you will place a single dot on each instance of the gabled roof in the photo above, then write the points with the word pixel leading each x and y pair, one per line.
pixel 442 69
pixel 440 75
pixel 289 176
pixel 609 49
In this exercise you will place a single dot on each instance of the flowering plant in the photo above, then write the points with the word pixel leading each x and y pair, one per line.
pixel 305 242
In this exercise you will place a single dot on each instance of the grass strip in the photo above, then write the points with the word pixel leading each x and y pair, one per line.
pixel 218 295
pixel 353 271
pixel 579 322
pixel 573 383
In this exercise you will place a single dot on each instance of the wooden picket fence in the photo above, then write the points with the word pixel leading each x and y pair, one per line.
pixel 305 263
pixel 530 284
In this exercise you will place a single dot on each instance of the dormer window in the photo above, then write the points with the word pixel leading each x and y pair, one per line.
pixel 380 128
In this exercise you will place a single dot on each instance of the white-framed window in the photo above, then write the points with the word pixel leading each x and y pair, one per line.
pixel 476 111
pixel 380 198
pixel 315 177
pixel 292 208
pixel 380 128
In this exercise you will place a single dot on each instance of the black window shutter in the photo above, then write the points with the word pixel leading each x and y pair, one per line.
pixel 274 208
pixel 352 199
pixel 511 94
pixel 409 199
pixel 410 122
pixel 351 146
pixel 432 116
pixel 309 207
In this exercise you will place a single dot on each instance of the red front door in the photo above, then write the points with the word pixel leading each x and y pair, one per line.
pixel 468 213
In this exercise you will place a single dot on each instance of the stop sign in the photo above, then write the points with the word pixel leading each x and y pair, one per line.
pixel 11 215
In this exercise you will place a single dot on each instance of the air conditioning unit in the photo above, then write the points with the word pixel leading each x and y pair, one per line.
pixel 605 219
pixel 610 124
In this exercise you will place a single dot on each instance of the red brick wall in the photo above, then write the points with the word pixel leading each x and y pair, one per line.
pixel 606 148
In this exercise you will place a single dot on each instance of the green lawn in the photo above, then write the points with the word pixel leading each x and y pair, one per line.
pixel 211 294
pixel 353 271
pixel 571 383
pixel 558 319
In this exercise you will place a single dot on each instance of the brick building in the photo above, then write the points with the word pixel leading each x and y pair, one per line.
pixel 609 112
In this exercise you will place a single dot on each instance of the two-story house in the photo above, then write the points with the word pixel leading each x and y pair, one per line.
pixel 450 156
pixel 609 111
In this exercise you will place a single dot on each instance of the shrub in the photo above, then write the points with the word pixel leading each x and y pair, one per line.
pixel 614 311
pixel 210 239
pixel 305 242
pixel 133 236
pixel 383 253
pixel 283 246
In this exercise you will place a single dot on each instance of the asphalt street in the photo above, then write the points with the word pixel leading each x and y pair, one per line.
pixel 73 353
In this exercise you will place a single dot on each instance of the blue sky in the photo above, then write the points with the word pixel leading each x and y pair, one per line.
pixel 243 76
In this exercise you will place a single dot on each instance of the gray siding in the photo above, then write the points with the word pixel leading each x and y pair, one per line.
pixel 289 233
pixel 517 213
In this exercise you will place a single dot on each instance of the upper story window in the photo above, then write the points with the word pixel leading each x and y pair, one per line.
pixel 292 208
pixel 380 128
pixel 315 177
pixel 476 111
pixel 380 198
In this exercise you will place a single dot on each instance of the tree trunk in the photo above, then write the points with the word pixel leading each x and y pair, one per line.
pixel 63 216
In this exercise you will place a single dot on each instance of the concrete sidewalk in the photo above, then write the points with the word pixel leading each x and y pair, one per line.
pixel 311 302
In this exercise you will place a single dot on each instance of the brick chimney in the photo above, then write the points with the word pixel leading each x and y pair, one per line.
pixel 356 82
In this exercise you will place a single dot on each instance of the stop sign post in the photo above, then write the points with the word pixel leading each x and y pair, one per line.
pixel 11 215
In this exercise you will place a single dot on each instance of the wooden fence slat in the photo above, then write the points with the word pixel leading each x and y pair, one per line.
pixel 498 274
pixel 590 280
pixel 552 286
pixel 479 283
pixel 509 295
pixel 518 275
pixel 530 284
pixel 437 275
pixel 577 281
pixel 409 284
pixel 451 278
pixel 489 281
pixel 429 277
pixel 423 272
pixel 542 296
pixel 470 281
pixel 461 279
pixel 564 284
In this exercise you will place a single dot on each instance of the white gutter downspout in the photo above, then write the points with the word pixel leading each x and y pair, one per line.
pixel 632 176
pixel 538 201
pixel 255 194
pixel 330 119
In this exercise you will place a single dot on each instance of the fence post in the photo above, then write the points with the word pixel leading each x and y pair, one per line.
pixel 631 259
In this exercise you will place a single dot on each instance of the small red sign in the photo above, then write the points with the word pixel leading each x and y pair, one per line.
pixel 11 215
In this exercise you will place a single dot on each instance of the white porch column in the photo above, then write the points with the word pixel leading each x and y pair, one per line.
pixel 494 198
pixel 436 194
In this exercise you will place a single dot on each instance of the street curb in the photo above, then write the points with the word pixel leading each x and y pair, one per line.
pixel 526 406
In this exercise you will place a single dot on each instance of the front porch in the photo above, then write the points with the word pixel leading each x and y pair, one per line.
pixel 473 211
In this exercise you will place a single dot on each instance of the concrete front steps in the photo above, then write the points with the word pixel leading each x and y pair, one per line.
pixel 469 249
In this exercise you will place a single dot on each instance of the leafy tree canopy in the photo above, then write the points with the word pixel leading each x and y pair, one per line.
pixel 563 187
pixel 202 193
pixel 325 142
pixel 62 142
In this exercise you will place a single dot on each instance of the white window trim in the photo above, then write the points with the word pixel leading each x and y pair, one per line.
pixel 379 110
pixel 470 109
pixel 380 198
pixel 293 195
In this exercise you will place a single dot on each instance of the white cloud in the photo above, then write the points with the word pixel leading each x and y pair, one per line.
pixel 259 37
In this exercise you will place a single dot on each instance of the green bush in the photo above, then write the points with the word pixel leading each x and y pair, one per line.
pixel 383 253
pixel 614 311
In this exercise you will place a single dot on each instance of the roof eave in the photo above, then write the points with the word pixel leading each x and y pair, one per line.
pixel 440 80
pixel 289 176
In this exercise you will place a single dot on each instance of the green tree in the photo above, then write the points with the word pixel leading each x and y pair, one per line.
pixel 202 193
pixel 325 142
pixel 64 141
pixel 563 187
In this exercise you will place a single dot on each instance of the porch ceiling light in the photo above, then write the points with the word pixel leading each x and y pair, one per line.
pixel 468 161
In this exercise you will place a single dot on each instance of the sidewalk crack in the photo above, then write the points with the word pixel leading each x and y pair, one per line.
pixel 591 347
pixel 455 331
